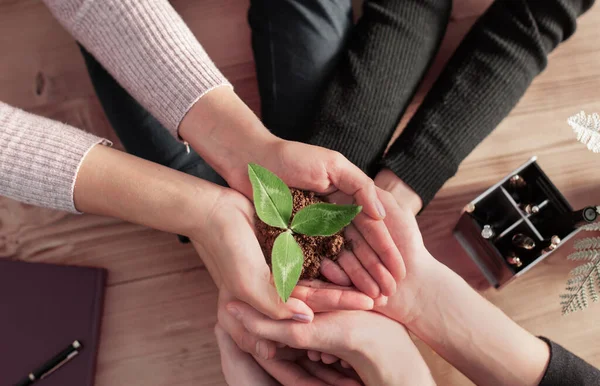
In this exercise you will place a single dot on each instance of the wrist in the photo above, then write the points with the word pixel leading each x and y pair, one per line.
pixel 197 200
pixel 226 133
pixel 404 194
pixel 411 304
pixel 437 280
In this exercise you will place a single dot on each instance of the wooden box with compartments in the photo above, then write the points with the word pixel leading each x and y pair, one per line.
pixel 517 223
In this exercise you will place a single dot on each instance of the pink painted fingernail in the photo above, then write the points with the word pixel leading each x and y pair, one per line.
pixel 234 312
pixel 302 318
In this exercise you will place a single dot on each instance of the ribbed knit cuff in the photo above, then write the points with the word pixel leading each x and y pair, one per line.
pixel 421 166
pixel 40 158
pixel 148 48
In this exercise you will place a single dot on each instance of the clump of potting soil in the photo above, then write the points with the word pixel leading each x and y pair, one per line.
pixel 315 248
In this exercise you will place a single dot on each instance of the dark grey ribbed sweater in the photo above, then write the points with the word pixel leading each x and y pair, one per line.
pixel 386 58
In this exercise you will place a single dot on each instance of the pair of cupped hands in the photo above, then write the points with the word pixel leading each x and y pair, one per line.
pixel 347 322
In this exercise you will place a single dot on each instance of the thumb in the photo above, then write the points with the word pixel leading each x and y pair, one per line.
pixel 265 299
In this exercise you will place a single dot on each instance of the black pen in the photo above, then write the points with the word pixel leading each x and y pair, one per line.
pixel 53 364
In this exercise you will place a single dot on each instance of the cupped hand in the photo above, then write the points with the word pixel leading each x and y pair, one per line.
pixel 404 305
pixel 329 173
pixel 378 348
pixel 408 302
pixel 227 244
pixel 240 368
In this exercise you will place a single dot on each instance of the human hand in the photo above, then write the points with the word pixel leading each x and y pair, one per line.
pixel 240 368
pixel 372 352
pixel 226 242
pixel 404 194
pixel 240 350
pixel 227 134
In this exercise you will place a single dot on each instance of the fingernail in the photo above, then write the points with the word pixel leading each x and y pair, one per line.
pixel 380 209
pixel 302 318
pixel 234 312
pixel 261 350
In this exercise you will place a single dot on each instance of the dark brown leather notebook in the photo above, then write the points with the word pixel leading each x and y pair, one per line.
pixel 43 309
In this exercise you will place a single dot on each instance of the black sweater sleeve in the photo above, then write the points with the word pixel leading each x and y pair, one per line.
pixel 385 59
pixel 483 81
pixel 567 369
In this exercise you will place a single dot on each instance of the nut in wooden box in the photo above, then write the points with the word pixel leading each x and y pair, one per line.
pixel 515 224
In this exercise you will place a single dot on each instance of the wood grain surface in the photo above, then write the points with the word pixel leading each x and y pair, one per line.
pixel 160 306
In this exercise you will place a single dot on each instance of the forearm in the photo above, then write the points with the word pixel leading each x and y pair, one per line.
pixel 147 48
pixel 116 184
pixel 490 71
pixel 389 51
pixel 475 336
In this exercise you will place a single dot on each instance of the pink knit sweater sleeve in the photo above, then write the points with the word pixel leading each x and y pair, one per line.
pixel 148 48
pixel 39 158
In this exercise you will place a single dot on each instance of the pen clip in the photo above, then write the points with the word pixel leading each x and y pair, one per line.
pixel 60 364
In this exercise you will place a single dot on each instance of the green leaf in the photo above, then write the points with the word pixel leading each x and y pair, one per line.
pixel 324 219
pixel 272 197
pixel 287 260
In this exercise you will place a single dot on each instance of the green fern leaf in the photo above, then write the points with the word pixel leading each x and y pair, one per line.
pixel 589 243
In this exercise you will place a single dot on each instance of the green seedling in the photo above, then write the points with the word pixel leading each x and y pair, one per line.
pixel 273 203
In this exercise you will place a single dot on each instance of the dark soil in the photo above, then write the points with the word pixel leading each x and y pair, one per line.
pixel 315 248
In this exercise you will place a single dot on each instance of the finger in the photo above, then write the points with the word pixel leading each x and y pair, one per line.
pixel 351 180
pixel 289 373
pixel 326 373
pixel 378 237
pixel 314 356
pixel 334 273
pixel 358 274
pixel 328 358
pixel 263 297
pixel 370 261
pixel 295 335
pixel 332 298
pixel 246 341
pixel 239 367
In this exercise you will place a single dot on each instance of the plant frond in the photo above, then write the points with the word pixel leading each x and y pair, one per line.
pixel 584 255
pixel 587 128
pixel 582 285
pixel 591 287
pixel 588 243
pixel 593 226
pixel 582 269
pixel 575 280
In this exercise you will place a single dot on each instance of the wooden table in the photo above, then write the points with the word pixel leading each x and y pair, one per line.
pixel 160 304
